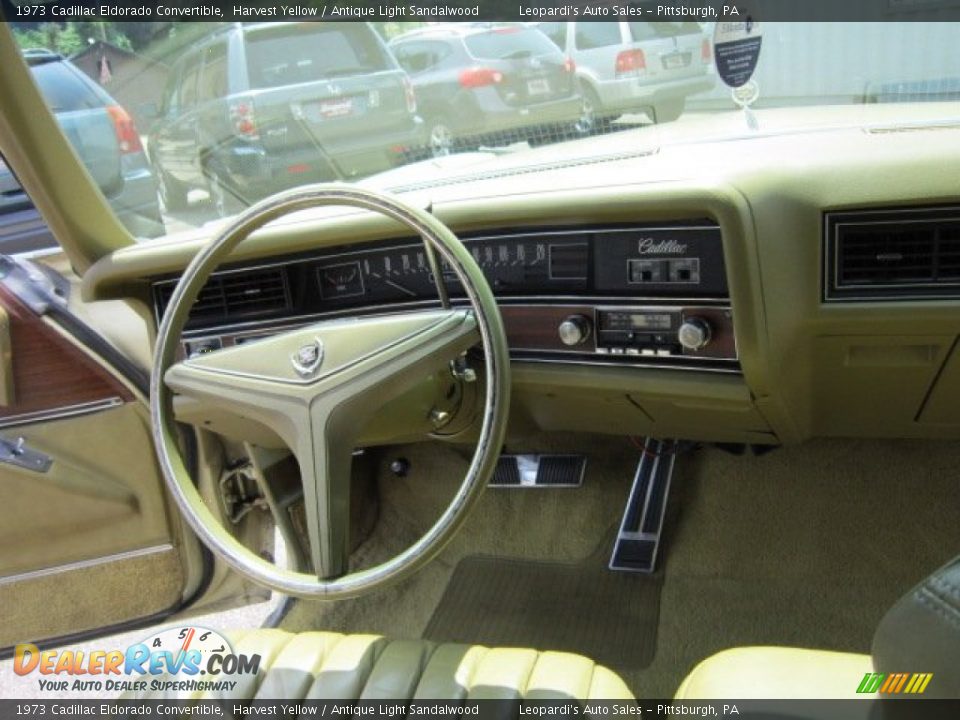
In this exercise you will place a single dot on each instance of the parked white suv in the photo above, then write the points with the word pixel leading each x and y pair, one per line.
pixel 634 66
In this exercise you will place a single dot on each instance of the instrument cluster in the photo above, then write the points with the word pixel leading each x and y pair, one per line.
pixel 609 294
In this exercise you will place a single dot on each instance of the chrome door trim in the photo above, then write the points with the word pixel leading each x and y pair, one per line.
pixel 61 412
pixel 84 564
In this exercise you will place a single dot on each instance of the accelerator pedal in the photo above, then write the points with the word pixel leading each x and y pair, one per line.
pixel 539 471
pixel 639 538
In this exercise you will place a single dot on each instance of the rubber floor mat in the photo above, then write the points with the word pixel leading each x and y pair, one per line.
pixel 576 607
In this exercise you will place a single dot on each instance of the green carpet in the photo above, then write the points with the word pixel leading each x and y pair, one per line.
pixel 576 607
pixel 805 546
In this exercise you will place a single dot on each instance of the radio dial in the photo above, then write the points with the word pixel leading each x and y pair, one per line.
pixel 694 334
pixel 574 330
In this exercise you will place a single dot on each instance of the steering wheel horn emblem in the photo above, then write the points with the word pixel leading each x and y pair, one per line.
pixel 307 360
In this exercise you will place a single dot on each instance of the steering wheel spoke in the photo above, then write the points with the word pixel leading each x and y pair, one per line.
pixel 325 472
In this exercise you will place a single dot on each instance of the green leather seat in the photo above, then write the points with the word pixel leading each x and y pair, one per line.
pixel 325 665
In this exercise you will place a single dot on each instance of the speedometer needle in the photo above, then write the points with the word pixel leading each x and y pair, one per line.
pixel 399 287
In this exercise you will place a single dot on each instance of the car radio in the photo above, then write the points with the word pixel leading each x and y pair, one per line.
pixel 661 332
pixel 675 334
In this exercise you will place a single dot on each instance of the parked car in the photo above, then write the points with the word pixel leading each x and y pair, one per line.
pixel 479 83
pixel 259 108
pixel 22 229
pixel 631 66
pixel 107 141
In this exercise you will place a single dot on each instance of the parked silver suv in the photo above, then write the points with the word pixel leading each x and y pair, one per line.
pixel 634 66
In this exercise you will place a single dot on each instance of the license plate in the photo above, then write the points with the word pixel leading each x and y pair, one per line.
pixel 338 107
pixel 540 86
pixel 671 62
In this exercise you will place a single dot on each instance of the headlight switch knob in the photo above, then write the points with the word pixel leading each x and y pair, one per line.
pixel 694 333
pixel 574 330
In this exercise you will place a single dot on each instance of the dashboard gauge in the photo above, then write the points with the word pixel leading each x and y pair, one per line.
pixel 509 266
pixel 403 272
pixel 340 281
pixel 522 265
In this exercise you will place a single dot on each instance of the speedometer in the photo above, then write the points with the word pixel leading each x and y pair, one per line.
pixel 403 270
pixel 532 264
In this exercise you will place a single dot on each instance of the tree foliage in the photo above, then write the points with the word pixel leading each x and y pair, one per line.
pixel 68 38
pixel 71 37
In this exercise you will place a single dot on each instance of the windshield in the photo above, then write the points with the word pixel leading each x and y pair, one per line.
pixel 195 121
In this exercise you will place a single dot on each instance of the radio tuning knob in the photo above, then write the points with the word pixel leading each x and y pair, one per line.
pixel 574 330
pixel 694 333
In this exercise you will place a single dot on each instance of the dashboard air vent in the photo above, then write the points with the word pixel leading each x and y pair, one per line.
pixel 235 295
pixel 898 254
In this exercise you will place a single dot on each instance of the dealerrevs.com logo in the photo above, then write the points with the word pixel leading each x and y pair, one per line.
pixel 187 659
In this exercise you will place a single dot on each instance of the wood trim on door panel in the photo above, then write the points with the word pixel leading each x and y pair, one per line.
pixel 49 373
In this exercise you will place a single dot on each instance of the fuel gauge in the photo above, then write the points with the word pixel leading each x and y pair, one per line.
pixel 340 281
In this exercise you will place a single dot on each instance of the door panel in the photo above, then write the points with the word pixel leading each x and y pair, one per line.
pixel 85 535
pixel 98 497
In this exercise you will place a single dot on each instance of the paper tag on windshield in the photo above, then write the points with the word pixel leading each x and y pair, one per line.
pixel 736 50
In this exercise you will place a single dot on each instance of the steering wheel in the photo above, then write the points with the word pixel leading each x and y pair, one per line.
pixel 316 384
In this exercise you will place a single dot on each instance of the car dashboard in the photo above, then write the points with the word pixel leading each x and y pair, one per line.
pixel 705 289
